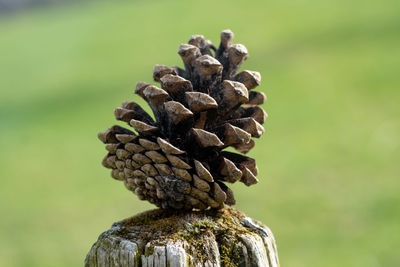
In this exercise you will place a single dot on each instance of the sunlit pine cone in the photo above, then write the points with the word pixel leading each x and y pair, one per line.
pixel 178 159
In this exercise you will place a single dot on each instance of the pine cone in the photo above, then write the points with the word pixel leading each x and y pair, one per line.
pixel 178 160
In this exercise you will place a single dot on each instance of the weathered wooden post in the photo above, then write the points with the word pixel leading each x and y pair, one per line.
pixel 206 238
pixel 177 162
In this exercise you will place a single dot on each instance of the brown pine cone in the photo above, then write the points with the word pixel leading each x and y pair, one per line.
pixel 178 160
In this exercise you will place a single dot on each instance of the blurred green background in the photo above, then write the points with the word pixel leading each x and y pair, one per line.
pixel 329 160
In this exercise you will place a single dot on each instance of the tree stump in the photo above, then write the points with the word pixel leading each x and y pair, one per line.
pixel 169 238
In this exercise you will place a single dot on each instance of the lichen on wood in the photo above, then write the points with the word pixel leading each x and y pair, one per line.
pixel 180 238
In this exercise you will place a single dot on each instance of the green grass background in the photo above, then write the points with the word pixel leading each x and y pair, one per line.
pixel 329 160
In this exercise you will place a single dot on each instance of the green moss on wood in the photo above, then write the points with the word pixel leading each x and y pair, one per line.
pixel 149 250
pixel 194 227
